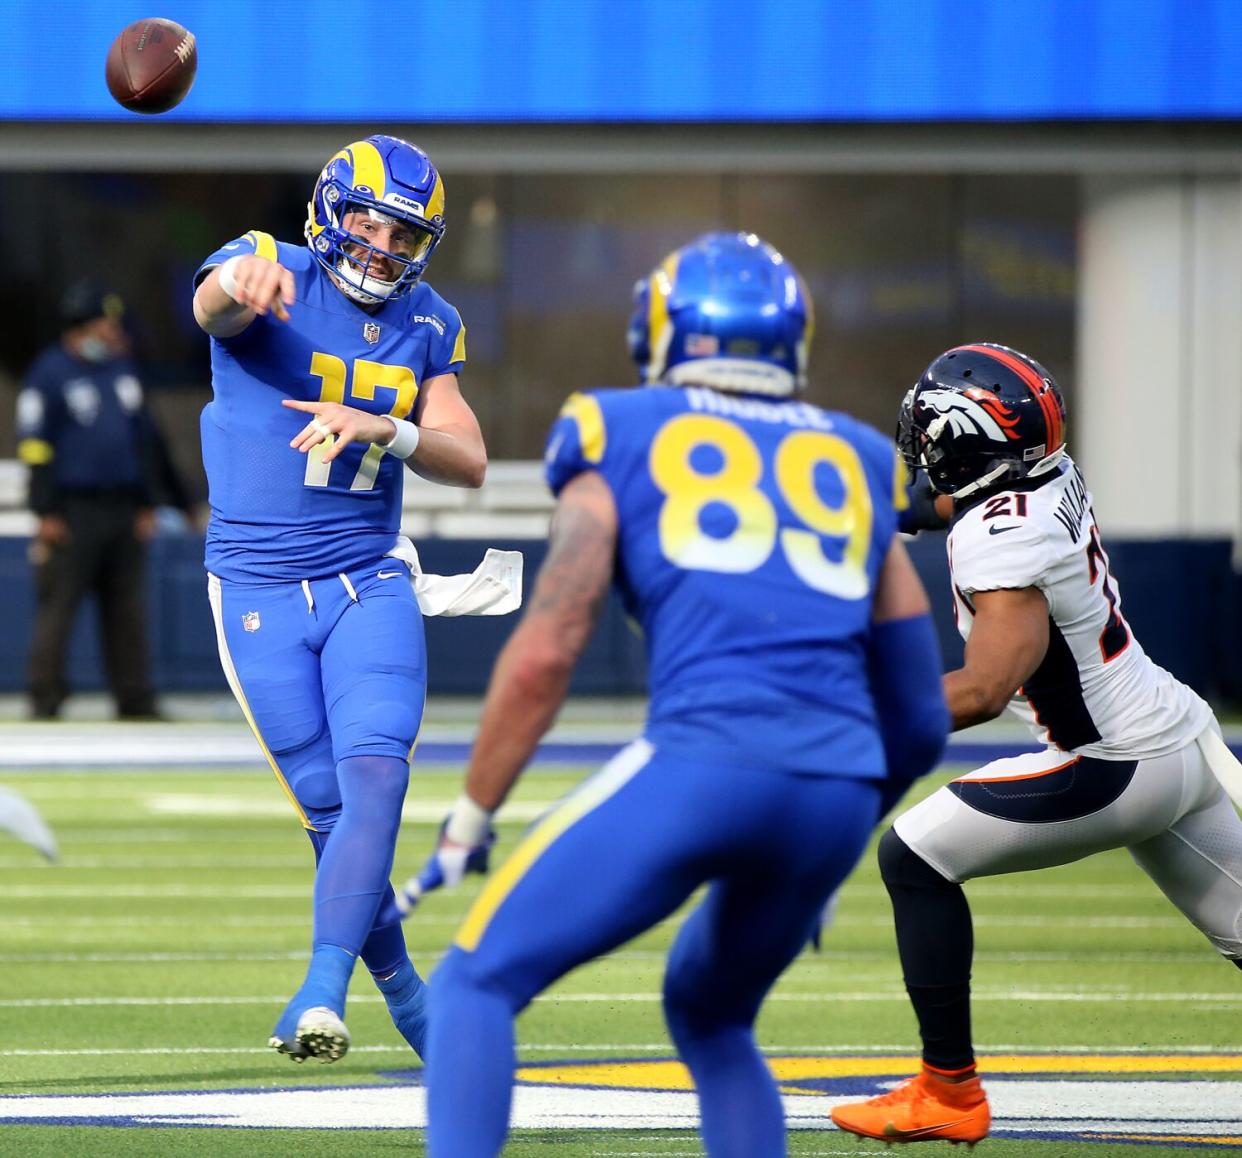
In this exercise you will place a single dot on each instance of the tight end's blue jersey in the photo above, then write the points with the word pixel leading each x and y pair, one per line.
pixel 279 515
pixel 751 536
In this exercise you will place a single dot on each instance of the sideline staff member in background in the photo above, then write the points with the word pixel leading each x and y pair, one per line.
pixel 97 469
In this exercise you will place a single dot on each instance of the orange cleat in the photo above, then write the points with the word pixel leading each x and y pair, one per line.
pixel 923 1109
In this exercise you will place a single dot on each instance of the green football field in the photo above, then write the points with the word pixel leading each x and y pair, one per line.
pixel 155 957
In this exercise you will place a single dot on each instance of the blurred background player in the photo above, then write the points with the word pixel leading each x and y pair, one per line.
pixel 98 468
pixel 1130 751
pixel 752 535
pixel 319 634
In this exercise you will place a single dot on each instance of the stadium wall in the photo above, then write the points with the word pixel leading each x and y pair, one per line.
pixel 1181 597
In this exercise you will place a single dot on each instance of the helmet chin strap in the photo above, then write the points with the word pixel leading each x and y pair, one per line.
pixel 986 480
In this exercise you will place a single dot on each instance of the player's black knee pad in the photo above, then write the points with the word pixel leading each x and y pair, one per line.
pixel 901 867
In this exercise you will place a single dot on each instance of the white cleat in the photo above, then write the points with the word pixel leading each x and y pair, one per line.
pixel 320 1034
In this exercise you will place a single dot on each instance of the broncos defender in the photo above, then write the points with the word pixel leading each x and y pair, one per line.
pixel 1129 752
pixel 793 680
pixel 320 635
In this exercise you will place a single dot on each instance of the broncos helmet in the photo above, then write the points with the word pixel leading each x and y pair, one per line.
pixel 393 181
pixel 726 311
pixel 980 417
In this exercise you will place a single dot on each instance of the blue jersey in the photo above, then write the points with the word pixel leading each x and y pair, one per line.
pixel 751 536
pixel 280 515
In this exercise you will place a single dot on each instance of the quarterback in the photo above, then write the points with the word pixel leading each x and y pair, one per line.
pixel 334 368
pixel 1129 752
pixel 793 682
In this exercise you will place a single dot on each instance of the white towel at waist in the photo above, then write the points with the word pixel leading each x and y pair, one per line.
pixel 494 587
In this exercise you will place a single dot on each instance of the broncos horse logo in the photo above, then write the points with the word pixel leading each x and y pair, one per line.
pixel 975 411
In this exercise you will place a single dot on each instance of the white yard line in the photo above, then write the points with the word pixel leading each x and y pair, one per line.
pixel 886 959
pixel 195 920
pixel 145 958
pixel 133 836
pixel 1141 891
pixel 156 892
pixel 885 967
pixel 271 892
pixel 827 996
pixel 175 864
pixel 620 1050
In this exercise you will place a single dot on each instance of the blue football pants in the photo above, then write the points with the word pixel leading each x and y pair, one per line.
pixel 327 672
pixel 614 858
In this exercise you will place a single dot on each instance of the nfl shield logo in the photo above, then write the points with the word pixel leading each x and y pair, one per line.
pixel 370 331
pixel 250 621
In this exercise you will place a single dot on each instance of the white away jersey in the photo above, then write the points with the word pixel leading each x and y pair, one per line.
pixel 1096 691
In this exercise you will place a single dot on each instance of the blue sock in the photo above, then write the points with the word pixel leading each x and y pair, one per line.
pixel 351 879
pixel 327 981
pixel 355 864
pixel 470 1084
pixel 385 955
pixel 711 1000
pixel 741 1115
pixel 406 994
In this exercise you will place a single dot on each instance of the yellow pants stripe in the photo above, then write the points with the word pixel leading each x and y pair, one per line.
pixel 216 599
pixel 605 783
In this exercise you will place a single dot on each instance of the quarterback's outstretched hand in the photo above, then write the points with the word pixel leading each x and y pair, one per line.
pixel 452 859
pixel 259 284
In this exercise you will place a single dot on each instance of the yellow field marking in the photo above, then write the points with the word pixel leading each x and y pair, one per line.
pixel 672 1075
pixel 1199 1139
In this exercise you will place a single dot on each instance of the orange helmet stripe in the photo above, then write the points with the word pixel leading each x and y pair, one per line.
pixel 1034 383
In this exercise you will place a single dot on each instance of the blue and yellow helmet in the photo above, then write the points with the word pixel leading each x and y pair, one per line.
pixel 382 176
pixel 726 311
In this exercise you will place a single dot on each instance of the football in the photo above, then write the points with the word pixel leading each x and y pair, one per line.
pixel 151 65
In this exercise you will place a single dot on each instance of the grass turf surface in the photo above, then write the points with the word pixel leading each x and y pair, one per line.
pixel 158 954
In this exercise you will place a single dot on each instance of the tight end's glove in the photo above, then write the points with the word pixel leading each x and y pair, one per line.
pixel 464 845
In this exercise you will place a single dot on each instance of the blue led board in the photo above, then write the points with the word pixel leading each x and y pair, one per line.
pixel 646 60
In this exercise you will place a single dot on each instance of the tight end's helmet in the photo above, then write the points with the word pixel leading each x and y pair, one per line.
pixel 393 181
pixel 981 417
pixel 726 311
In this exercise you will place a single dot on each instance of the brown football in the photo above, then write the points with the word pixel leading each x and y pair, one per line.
pixel 151 65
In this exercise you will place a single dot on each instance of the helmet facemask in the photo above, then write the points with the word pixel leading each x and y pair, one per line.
pixel 353 259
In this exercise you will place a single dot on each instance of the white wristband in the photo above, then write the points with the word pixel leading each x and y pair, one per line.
pixel 404 442
pixel 468 824
pixel 226 275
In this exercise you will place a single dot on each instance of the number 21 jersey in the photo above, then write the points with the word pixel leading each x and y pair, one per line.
pixel 1096 691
